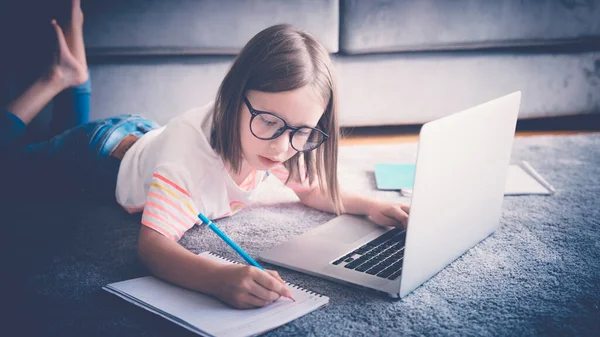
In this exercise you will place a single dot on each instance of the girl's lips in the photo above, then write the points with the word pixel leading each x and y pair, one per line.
pixel 267 162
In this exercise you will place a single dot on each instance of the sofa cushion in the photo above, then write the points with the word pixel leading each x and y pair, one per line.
pixel 199 26
pixel 406 25
pixel 156 87
pixel 415 88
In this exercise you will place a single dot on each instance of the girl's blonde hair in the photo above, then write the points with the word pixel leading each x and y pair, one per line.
pixel 282 58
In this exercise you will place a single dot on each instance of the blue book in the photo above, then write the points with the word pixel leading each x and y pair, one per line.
pixel 395 176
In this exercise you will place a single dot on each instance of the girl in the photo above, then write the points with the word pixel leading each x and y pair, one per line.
pixel 275 114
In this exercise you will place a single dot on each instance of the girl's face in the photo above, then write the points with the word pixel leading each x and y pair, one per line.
pixel 299 107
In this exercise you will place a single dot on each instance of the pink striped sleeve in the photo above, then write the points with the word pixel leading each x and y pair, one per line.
pixel 169 208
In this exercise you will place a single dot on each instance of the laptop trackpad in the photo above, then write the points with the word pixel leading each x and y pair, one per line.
pixel 347 229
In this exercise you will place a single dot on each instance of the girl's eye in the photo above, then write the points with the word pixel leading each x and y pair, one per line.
pixel 267 121
pixel 304 132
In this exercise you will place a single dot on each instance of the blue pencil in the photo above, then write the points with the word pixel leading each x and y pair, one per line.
pixel 232 244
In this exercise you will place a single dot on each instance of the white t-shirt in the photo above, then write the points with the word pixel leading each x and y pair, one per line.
pixel 172 174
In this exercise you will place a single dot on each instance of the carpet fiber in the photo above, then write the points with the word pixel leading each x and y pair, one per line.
pixel 539 274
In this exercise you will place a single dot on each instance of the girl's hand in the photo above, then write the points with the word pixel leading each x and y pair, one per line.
pixel 245 287
pixel 389 214
pixel 67 71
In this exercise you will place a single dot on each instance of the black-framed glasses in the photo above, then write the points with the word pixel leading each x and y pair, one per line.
pixel 266 126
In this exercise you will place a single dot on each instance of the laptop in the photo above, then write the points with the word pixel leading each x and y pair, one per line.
pixel 461 169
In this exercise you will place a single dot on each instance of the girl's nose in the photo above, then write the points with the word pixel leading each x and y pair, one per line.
pixel 281 144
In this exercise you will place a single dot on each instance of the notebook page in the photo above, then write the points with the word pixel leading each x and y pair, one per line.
pixel 153 309
pixel 199 312
pixel 276 314
pixel 518 181
pixel 267 318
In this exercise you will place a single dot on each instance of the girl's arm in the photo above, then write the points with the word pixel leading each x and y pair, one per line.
pixel 353 203
pixel 170 261
pixel 240 286
pixel 380 212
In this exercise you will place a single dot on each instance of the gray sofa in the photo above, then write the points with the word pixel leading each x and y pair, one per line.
pixel 399 62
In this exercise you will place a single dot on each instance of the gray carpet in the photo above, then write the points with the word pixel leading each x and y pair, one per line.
pixel 539 274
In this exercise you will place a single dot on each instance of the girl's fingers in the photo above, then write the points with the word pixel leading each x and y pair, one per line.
pixel 268 281
pixel 397 213
pixel 263 293
pixel 255 302
pixel 383 220
pixel 405 208
pixel 276 275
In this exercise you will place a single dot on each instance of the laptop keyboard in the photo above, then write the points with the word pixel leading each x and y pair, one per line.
pixel 380 257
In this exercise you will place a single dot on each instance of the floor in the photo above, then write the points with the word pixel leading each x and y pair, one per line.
pixel 361 137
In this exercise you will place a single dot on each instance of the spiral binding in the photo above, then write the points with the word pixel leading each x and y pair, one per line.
pixel 291 285
pixel 222 258
pixel 312 293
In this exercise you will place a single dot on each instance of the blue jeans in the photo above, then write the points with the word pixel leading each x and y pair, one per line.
pixel 74 164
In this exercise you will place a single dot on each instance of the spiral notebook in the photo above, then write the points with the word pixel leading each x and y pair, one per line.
pixel 207 316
